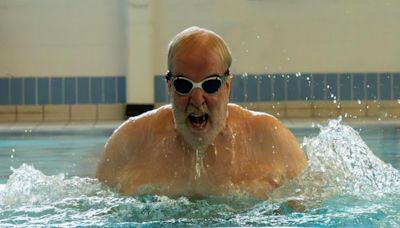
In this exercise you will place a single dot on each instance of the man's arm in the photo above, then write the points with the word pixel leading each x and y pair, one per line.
pixel 293 155
pixel 118 151
pixel 279 139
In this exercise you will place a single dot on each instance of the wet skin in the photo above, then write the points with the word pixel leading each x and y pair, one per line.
pixel 200 144
pixel 253 155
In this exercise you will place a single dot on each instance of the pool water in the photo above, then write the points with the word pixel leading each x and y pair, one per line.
pixel 352 179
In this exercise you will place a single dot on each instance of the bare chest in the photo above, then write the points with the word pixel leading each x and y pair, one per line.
pixel 222 169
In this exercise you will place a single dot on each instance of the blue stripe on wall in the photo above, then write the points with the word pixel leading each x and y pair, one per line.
pixel 237 89
pixel 372 86
pixel 248 88
pixel 96 86
pixel 110 96
pixel 160 90
pixel 43 91
pixel 266 88
pixel 121 89
pixel 62 90
pixel 56 90
pixel 83 90
pixel 305 87
pixel 293 85
pixel 16 91
pixel 5 91
pixel 252 88
pixel 331 86
pixel 359 87
pixel 396 86
pixel 345 86
pixel 30 91
pixel 385 86
pixel 279 88
pixel 69 90
pixel 318 81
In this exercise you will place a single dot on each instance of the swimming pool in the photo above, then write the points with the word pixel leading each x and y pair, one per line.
pixel 345 184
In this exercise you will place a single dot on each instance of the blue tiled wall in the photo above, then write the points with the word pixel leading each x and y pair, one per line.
pixel 62 90
pixel 306 86
pixel 244 88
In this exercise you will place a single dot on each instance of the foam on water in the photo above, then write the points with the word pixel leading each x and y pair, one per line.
pixel 340 162
pixel 343 184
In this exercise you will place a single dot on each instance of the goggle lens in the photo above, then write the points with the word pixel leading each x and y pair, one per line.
pixel 183 86
pixel 211 86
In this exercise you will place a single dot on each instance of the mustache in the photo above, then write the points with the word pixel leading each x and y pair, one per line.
pixel 196 110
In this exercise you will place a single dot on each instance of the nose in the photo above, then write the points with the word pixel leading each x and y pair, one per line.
pixel 197 97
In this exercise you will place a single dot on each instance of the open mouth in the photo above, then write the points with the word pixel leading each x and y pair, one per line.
pixel 198 121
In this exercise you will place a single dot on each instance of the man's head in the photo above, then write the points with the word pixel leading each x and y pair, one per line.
pixel 195 35
pixel 198 55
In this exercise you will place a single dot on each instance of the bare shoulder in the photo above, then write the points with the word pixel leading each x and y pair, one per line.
pixel 134 131
pixel 261 126
pixel 127 140
pixel 257 120
pixel 269 132
pixel 146 121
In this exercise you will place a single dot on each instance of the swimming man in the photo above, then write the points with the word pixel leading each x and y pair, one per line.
pixel 200 144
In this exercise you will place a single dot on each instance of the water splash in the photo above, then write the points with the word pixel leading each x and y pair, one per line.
pixel 340 163
pixel 344 184
pixel 28 186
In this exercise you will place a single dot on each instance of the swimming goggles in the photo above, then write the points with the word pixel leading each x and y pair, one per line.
pixel 210 85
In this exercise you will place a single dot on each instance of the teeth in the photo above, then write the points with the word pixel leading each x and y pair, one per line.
pixel 198 119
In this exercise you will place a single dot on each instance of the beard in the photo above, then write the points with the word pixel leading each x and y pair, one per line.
pixel 199 126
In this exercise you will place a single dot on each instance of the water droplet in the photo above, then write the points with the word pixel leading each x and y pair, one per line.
pixel 13 150
pixel 359 101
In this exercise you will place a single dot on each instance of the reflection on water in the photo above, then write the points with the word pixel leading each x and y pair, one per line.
pixel 344 184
